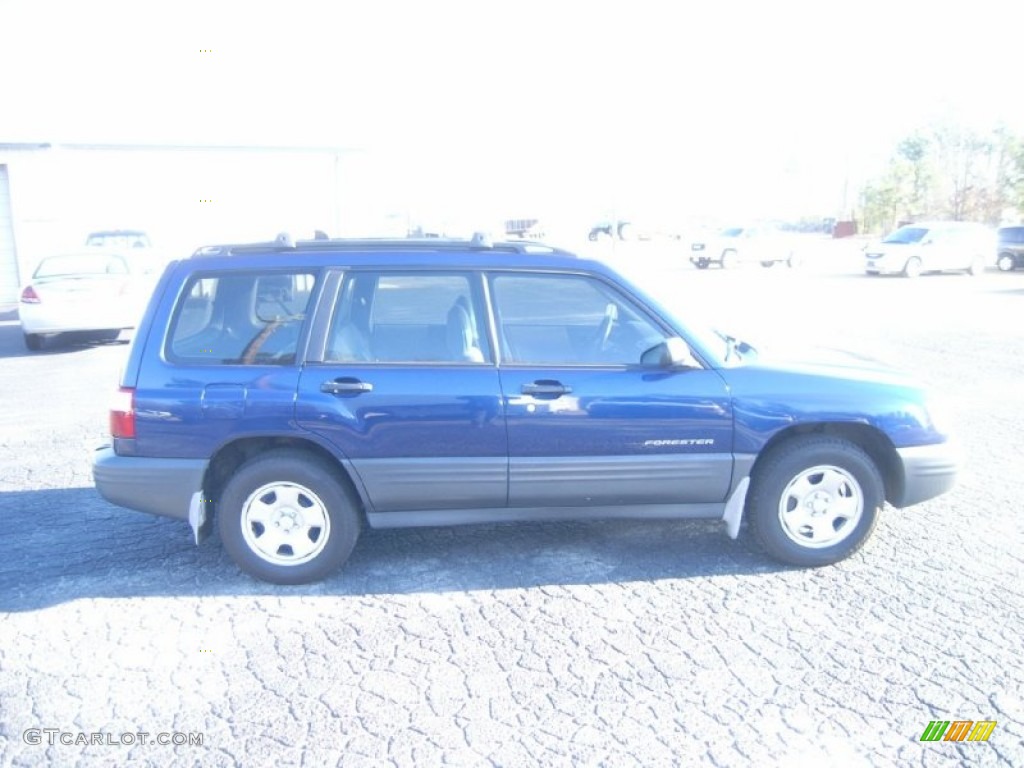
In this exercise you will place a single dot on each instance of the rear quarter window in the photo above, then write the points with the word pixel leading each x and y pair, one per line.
pixel 1012 235
pixel 251 318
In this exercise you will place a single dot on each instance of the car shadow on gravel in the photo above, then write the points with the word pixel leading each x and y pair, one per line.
pixel 12 342
pixel 69 544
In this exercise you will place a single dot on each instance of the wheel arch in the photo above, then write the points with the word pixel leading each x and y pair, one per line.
pixel 871 440
pixel 232 455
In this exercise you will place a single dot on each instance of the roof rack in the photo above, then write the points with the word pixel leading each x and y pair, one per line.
pixel 284 242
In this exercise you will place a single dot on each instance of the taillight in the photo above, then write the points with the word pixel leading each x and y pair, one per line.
pixel 122 413
pixel 29 295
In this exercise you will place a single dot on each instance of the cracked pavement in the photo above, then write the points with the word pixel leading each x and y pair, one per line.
pixel 607 643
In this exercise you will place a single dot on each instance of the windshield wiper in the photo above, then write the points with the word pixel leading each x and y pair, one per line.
pixel 734 346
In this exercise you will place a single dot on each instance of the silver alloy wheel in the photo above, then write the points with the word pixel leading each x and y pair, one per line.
pixel 1005 263
pixel 285 523
pixel 821 506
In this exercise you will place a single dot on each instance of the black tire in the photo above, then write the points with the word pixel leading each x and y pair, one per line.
pixel 33 342
pixel 912 268
pixel 789 479
pixel 1006 262
pixel 319 495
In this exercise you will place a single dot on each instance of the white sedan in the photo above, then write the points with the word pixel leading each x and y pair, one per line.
pixel 100 292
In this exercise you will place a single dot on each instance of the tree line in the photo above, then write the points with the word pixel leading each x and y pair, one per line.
pixel 948 171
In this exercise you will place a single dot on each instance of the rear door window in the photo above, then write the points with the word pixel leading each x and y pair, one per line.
pixel 387 317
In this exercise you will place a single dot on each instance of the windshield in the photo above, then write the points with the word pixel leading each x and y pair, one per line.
pixel 907 235
pixel 63 266
pixel 731 232
pixel 719 346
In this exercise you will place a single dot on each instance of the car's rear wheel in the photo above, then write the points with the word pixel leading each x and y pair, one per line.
pixel 33 342
pixel 814 500
pixel 767 264
pixel 285 517
pixel 977 266
pixel 729 259
pixel 1006 262
pixel 912 268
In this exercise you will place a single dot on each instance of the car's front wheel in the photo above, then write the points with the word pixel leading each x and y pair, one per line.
pixel 814 500
pixel 729 259
pixel 285 517
pixel 912 268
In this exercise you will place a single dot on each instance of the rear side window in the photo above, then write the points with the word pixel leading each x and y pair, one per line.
pixel 240 319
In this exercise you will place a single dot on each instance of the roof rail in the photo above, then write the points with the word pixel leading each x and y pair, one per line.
pixel 284 242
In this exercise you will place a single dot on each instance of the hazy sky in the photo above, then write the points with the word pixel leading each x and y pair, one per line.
pixel 527 105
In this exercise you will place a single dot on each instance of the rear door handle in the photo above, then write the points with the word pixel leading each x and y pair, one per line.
pixel 346 386
pixel 546 387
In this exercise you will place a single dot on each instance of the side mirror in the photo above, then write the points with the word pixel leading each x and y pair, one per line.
pixel 671 353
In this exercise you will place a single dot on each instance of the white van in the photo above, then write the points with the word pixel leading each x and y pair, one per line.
pixel 932 246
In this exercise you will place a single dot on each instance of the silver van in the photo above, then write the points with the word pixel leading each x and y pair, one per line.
pixel 932 246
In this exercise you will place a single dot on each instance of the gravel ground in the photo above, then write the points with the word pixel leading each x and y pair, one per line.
pixel 612 643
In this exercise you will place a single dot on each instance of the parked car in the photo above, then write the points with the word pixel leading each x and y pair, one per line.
pixel 118 238
pixel 1011 248
pixel 936 246
pixel 101 292
pixel 299 392
pixel 647 229
pixel 733 246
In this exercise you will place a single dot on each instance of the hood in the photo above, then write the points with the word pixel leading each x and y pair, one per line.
pixel 828 362
pixel 877 246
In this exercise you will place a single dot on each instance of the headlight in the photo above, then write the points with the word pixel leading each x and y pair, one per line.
pixel 940 415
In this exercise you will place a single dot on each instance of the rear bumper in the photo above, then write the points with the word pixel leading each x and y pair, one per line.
pixel 157 486
pixel 928 471
pixel 66 320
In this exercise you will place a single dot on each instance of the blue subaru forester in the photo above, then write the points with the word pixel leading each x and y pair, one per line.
pixel 296 392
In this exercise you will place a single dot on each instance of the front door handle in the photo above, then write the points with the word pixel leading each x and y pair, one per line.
pixel 346 386
pixel 547 387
